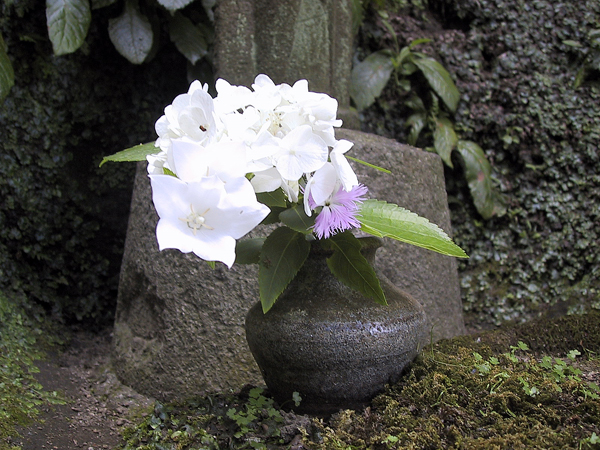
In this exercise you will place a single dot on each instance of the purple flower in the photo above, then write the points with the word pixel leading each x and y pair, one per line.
pixel 339 212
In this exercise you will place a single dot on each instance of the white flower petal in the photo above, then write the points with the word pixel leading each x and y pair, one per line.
pixel 302 152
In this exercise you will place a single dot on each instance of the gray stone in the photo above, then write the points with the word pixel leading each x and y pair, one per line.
pixel 179 324
pixel 288 40
pixel 416 183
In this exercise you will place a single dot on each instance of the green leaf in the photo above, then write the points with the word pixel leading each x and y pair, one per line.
pixel 440 81
pixel 350 267
pixel 364 163
pixel 7 74
pixel 247 251
pixel 369 77
pixel 444 139
pixel 282 256
pixel 416 122
pixel 188 38
pixel 174 5
pixel 384 219
pixel 478 174
pixel 131 34
pixel 137 153
pixel 297 220
pixel 68 23
pixel 271 199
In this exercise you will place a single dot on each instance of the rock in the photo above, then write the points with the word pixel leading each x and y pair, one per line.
pixel 288 40
pixel 179 323
pixel 417 184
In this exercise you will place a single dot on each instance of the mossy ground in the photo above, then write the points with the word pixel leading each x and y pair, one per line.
pixel 531 386
pixel 24 337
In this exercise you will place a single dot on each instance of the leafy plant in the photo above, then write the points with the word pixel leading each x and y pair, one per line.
pixel 590 68
pixel 21 396
pixel 433 98
pixel 7 75
pixel 134 32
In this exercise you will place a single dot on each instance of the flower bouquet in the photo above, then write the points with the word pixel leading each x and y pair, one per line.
pixel 268 155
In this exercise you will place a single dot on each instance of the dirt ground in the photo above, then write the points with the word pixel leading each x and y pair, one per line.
pixel 98 405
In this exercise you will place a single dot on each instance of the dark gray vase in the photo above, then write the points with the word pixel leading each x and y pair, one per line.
pixel 328 342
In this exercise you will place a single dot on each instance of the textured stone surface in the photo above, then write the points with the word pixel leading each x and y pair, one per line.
pixel 340 348
pixel 287 40
pixel 179 324
pixel 416 183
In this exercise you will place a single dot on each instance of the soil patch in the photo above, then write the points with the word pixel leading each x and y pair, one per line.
pixel 98 405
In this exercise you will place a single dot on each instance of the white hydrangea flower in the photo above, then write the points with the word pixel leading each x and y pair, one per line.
pixel 203 216
pixel 301 151
pixel 342 167
pixel 190 115
pixel 191 161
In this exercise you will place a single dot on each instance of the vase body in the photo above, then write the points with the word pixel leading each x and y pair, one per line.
pixel 328 342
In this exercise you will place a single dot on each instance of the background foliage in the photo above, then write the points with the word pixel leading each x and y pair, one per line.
pixel 63 220
pixel 516 75
pixel 528 75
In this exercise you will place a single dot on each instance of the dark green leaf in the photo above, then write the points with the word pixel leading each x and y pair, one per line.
pixel 131 34
pixel 247 251
pixel 416 122
pixel 188 38
pixel 478 174
pixel 274 198
pixel 350 267
pixel 7 75
pixel 137 153
pixel 369 77
pixel 68 23
pixel 388 220
pixel 440 81
pixel 444 139
pixel 297 220
pixel 283 254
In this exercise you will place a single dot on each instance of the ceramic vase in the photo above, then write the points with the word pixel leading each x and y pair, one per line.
pixel 329 343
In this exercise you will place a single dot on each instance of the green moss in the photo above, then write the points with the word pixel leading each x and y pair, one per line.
pixel 21 396
pixel 511 388
pixel 462 394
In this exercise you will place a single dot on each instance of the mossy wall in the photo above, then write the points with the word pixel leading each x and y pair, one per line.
pixel 516 75
pixel 63 220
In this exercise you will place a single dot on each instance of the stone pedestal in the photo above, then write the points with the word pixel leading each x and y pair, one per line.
pixel 179 323
pixel 288 40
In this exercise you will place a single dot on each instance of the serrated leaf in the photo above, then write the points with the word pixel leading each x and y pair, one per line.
pixel 440 81
pixel 297 220
pixel 174 5
pixel 7 74
pixel 444 139
pixel 384 219
pixel 369 77
pixel 283 254
pixel 136 153
pixel 188 38
pixel 478 174
pixel 68 22
pixel 350 267
pixel 131 34
pixel 247 251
